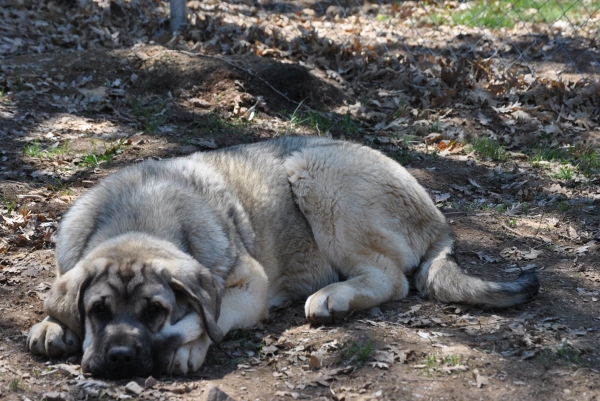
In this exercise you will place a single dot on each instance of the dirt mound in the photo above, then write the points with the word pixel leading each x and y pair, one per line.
pixel 162 71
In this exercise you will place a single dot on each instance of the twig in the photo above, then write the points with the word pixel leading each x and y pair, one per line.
pixel 524 235
pixel 511 230
pixel 540 225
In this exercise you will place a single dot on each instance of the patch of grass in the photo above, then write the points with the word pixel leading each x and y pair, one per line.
pixel 322 122
pixel 14 384
pixel 316 121
pixel 401 110
pixel 404 157
pixel 512 223
pixel 59 150
pixel 95 160
pixel 357 351
pixel 214 122
pixel 476 205
pixel 583 159
pixel 59 187
pixel 32 149
pixel 565 172
pixel 544 153
pixel 501 208
pixel 452 360
pixel 433 363
pixel 350 127
pixel 564 206
pixel 588 161
pixel 566 354
pixel 507 13
pixel 151 113
pixel 490 148
pixel 20 83
pixel 11 204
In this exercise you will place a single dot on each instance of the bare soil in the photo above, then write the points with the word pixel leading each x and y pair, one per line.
pixel 69 118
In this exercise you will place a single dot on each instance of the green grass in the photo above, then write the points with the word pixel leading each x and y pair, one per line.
pixel 404 157
pixel 564 206
pixel 563 355
pixel 565 172
pixel 63 192
pixel 95 159
pixel 588 160
pixel 489 148
pixel 585 160
pixel 151 113
pixel 507 13
pixel 433 363
pixel 401 110
pixel 20 83
pixel 34 149
pixel 59 150
pixel 14 384
pixel 11 204
pixel 213 123
pixel 544 153
pixel 322 122
pixel 357 351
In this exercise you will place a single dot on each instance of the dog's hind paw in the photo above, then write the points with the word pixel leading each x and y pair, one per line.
pixel 189 357
pixel 52 339
pixel 326 306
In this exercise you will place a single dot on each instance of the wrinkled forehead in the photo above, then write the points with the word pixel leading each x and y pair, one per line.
pixel 127 280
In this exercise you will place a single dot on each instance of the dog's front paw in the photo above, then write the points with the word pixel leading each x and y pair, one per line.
pixel 326 306
pixel 52 339
pixel 189 357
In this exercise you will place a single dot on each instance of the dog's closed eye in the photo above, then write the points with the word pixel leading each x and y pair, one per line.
pixel 154 308
pixel 154 314
pixel 101 311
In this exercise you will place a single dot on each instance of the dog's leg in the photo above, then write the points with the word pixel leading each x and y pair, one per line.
pixel 52 339
pixel 372 285
pixel 244 304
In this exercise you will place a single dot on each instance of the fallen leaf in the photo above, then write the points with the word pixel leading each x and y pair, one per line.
pixel 480 380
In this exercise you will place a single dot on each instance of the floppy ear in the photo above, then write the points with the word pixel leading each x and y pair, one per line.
pixel 203 292
pixel 64 300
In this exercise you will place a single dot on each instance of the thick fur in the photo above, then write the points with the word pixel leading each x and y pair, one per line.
pixel 163 258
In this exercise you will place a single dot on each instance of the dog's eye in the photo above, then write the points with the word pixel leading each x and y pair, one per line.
pixel 154 308
pixel 100 309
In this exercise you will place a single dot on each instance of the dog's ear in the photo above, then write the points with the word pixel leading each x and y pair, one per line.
pixel 203 291
pixel 64 299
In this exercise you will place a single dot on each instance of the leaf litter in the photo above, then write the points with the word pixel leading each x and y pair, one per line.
pixel 413 107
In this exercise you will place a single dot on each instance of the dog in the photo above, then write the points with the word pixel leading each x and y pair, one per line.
pixel 163 258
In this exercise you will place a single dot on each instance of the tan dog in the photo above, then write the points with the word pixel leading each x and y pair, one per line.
pixel 163 258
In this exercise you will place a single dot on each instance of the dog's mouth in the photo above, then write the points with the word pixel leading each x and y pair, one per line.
pixel 118 360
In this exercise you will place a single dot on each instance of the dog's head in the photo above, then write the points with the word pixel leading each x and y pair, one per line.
pixel 131 300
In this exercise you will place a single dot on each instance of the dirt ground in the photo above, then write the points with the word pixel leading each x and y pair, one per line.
pixel 69 117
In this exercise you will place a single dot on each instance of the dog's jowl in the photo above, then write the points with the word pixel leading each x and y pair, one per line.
pixel 164 258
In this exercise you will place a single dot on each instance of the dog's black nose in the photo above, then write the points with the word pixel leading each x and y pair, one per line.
pixel 121 355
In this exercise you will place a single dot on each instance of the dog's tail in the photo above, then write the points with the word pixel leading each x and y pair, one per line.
pixel 440 277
